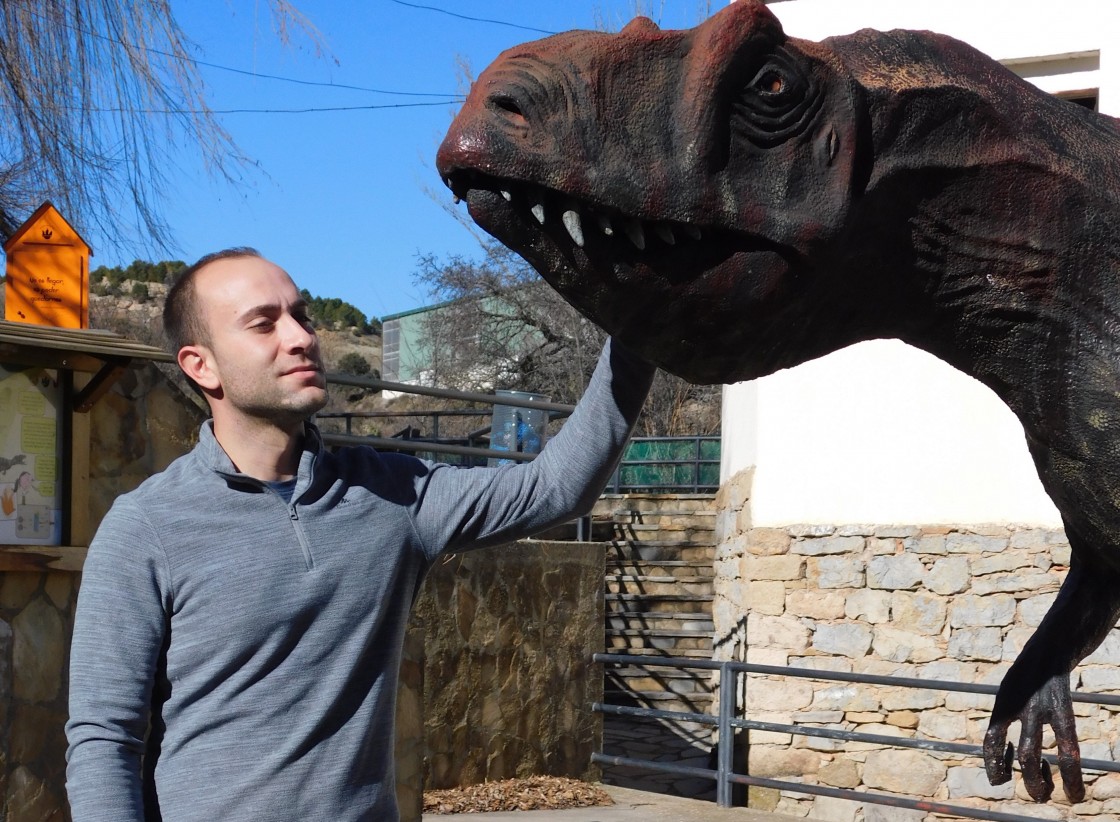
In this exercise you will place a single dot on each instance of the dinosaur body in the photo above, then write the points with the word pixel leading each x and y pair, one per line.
pixel 729 202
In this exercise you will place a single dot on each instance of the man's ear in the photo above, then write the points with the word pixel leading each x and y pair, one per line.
pixel 197 363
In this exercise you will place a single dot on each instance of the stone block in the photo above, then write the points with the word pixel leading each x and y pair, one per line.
pixel 1038 539
pixel 821 663
pixel 920 613
pixel 802 531
pixel 894 573
pixel 965 781
pixel 772 762
pixel 778 695
pixel 902 719
pixel 836 572
pixel 870 606
pixel 1033 609
pixel 840 773
pixel 17 588
pixel 785 567
pixel 834 809
pixel 975 544
pixel 1016 583
pixel 895 531
pixel 1107 653
pixel 1002 562
pixel 763 799
pixel 38 651
pixel 1014 641
pixel 949 575
pixel 58 587
pixel 843 639
pixel 766 596
pixel 820 546
pixel 883 813
pixel 767 656
pixel 897 645
pixel 911 699
pixel 926 544
pixel 883 547
pixel 903 771
pixel 813 604
pixel 950 670
pixel 1097 678
pixel 951 727
pixel 970 611
pixel 1106 787
pixel 846 697
pixel 983 644
pixel 767 541
pixel 776 632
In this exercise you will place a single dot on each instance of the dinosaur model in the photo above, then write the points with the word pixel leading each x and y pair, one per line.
pixel 730 201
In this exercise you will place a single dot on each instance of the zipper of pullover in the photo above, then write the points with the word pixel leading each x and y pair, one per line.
pixel 301 535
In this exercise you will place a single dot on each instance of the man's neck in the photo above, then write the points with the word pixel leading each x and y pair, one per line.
pixel 260 449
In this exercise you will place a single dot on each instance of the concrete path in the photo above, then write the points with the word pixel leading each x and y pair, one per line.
pixel 629 806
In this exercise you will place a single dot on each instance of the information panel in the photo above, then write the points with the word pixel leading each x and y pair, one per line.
pixel 30 492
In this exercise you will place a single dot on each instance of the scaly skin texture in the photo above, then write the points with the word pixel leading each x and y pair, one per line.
pixel 729 201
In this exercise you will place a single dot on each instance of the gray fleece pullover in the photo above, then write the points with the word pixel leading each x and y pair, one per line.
pixel 262 638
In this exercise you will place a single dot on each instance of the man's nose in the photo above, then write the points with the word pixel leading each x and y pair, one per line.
pixel 297 334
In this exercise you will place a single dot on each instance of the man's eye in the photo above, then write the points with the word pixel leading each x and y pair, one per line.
pixel 261 325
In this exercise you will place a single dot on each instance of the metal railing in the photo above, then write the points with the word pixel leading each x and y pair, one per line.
pixel 668 465
pixel 650 464
pixel 725 776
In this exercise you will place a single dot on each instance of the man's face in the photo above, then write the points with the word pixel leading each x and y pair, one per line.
pixel 262 353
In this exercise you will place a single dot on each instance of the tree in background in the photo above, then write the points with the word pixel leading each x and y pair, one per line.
pixel 334 313
pixel 95 96
pixel 499 325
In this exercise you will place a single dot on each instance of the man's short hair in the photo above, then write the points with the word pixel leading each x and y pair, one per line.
pixel 181 319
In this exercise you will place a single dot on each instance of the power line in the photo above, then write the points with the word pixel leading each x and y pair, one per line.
pixel 310 110
pixel 232 70
pixel 472 19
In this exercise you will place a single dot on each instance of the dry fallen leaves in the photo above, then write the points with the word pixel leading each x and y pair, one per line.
pixel 534 793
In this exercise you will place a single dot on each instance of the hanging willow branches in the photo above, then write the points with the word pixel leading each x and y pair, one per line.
pixel 94 97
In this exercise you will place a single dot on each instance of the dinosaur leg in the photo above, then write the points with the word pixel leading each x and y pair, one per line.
pixel 1036 689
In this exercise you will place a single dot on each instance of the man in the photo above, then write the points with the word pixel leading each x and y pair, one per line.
pixel 241 615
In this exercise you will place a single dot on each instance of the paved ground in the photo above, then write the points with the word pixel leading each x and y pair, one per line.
pixel 630 806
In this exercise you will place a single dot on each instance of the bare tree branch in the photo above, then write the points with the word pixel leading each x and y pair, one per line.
pixel 97 94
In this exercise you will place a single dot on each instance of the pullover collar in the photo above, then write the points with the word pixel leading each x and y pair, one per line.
pixel 214 458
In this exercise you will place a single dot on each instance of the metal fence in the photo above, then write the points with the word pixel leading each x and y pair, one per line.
pixel 649 464
pixel 726 722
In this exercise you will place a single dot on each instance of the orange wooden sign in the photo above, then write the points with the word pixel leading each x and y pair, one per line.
pixel 47 280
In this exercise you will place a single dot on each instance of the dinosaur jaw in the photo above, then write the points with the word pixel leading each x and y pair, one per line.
pixel 665 287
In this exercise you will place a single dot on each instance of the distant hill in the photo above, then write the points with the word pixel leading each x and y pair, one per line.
pixel 133 309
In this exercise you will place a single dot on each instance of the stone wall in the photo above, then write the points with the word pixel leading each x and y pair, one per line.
pixel 938 602
pixel 136 430
pixel 507 672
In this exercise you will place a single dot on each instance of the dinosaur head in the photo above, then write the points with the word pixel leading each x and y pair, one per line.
pixel 680 188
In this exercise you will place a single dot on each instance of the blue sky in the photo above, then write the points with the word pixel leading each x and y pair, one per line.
pixel 342 199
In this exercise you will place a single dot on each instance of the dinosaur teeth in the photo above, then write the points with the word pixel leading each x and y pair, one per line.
pixel 574 226
pixel 604 224
pixel 538 212
pixel 634 232
pixel 665 233
pixel 508 197
pixel 692 231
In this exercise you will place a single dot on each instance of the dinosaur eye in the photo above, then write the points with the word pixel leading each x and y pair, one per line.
pixel 770 82
pixel 780 100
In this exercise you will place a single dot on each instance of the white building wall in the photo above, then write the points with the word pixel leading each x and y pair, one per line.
pixel 881 432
